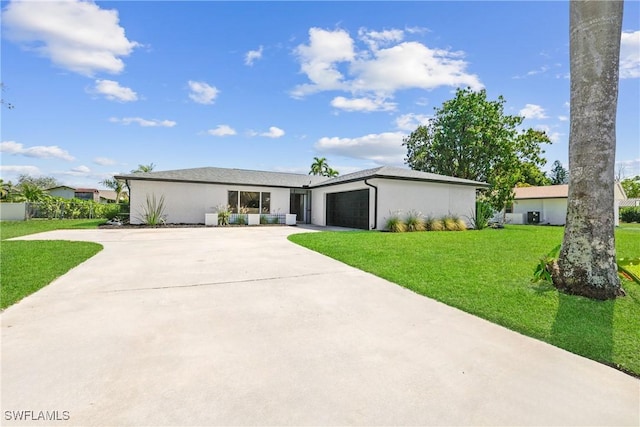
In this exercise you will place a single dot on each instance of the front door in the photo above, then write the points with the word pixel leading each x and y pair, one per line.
pixel 300 206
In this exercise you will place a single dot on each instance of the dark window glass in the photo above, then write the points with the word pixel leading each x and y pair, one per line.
pixel 233 201
pixel 266 203
pixel 251 201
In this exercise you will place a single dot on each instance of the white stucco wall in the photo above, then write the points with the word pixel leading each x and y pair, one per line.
pixel 188 202
pixel 428 198
pixel 13 211
pixel 552 211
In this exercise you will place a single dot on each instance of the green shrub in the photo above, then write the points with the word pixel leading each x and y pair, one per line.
pixel 630 214
pixel 484 212
pixel 394 223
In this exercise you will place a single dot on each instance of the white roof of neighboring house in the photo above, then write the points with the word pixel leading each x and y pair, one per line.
pixel 542 192
pixel 555 192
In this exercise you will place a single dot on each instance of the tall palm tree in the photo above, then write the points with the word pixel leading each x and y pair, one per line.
pixel 115 185
pixel 318 166
pixel 144 168
pixel 587 261
pixel 330 172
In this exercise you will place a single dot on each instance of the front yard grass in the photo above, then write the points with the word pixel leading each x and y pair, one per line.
pixel 488 273
pixel 27 266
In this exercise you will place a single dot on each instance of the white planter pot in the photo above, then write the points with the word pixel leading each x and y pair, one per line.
pixel 211 219
pixel 290 219
pixel 254 219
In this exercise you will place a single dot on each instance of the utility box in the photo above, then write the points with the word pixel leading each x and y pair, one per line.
pixel 533 217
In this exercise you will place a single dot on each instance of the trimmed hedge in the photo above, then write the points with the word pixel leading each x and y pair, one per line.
pixel 630 214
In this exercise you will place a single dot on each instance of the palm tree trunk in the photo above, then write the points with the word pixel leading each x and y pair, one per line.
pixel 587 262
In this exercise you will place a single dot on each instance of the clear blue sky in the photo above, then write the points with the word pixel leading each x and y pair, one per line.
pixel 101 87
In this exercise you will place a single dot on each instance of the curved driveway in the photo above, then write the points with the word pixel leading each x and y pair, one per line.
pixel 238 326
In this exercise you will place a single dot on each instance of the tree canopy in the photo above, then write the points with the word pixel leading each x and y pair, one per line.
pixel 558 174
pixel 42 182
pixel 471 137
pixel 631 187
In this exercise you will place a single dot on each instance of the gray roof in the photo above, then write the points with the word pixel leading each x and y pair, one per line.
pixel 390 172
pixel 228 176
pixel 211 175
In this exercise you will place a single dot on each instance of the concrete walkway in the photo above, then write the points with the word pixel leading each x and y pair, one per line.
pixel 238 326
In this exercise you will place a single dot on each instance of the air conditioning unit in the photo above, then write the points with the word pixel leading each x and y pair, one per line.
pixel 533 217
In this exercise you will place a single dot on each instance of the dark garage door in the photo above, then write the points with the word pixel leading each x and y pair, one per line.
pixel 348 209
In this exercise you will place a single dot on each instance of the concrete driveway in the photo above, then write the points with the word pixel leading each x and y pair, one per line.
pixel 238 326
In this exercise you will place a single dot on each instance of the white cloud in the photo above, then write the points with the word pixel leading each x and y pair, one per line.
pixel 553 136
pixel 410 122
pixel 274 132
pixel 252 56
pixel 38 151
pixel 375 70
pixel 144 122
pixel 222 130
pixel 82 169
pixel 202 93
pixel 362 104
pixel 630 55
pixel 318 60
pixel 375 39
pixel 533 111
pixel 104 161
pixel 114 92
pixel 19 170
pixel 628 168
pixel 383 148
pixel 563 118
pixel 76 35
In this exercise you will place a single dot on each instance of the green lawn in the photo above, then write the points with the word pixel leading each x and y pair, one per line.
pixel 488 273
pixel 26 266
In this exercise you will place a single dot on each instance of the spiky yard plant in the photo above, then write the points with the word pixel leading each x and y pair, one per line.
pixel 394 224
pixel 434 224
pixel 153 211
pixel 414 221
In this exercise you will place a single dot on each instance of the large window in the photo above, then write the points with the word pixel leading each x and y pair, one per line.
pixel 252 202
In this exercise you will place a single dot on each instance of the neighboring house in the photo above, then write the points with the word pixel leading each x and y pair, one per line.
pixel 67 192
pixel 109 196
pixel 358 200
pixel 547 204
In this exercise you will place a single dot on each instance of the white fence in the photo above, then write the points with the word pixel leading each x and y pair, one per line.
pixel 13 211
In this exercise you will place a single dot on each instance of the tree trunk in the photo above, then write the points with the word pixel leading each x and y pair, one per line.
pixel 587 263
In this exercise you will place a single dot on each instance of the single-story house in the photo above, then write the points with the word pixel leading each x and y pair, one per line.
pixel 358 200
pixel 67 192
pixel 547 204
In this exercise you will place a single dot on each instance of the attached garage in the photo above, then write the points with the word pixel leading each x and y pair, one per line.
pixel 348 209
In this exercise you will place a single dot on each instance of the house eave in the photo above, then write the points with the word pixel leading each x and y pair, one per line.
pixel 190 181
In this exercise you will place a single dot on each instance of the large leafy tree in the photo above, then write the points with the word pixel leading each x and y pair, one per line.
pixel 321 167
pixel 587 261
pixel 471 137
pixel 42 182
pixel 631 186
pixel 558 174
